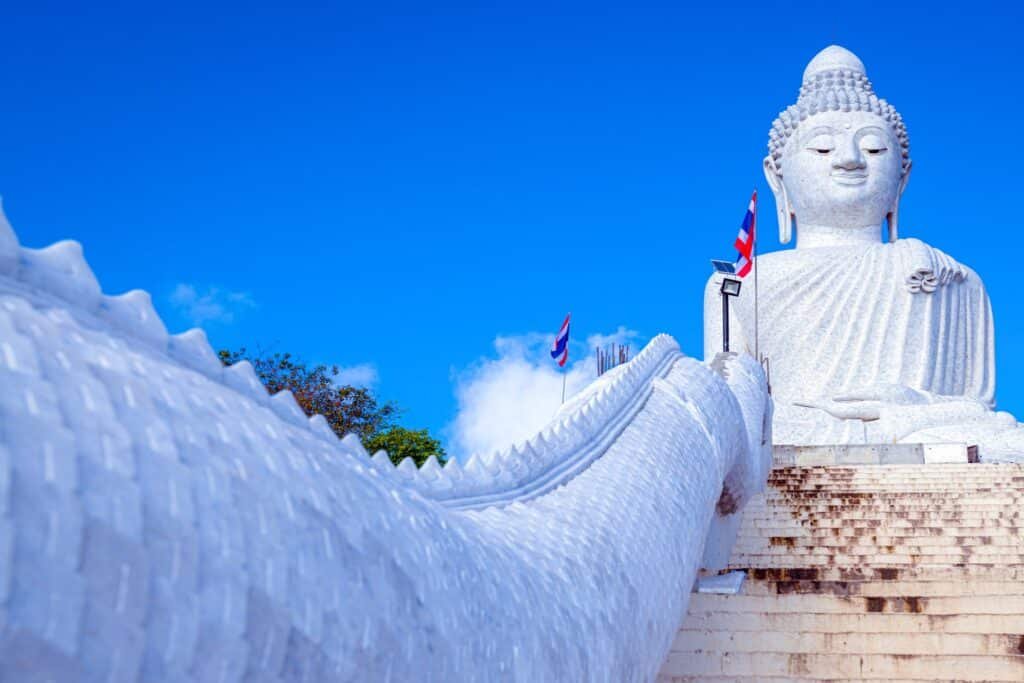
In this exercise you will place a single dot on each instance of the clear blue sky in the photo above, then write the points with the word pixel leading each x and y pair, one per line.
pixel 397 185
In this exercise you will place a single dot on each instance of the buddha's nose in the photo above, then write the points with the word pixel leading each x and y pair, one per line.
pixel 849 157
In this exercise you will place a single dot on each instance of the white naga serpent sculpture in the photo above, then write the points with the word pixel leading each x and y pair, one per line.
pixel 162 518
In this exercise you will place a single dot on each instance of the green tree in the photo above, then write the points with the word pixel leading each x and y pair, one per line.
pixel 401 443
pixel 347 409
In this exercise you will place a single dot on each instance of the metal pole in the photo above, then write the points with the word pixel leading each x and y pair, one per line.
pixel 757 339
pixel 563 386
pixel 725 322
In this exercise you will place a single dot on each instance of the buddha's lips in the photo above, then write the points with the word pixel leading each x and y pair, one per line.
pixel 850 178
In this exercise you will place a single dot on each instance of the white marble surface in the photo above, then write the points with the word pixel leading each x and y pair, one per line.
pixel 868 341
pixel 163 519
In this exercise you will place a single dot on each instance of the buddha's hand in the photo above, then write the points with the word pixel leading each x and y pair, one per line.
pixel 869 403
pixel 866 411
pixel 894 394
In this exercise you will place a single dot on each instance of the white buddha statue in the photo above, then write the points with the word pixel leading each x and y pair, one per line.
pixel 868 341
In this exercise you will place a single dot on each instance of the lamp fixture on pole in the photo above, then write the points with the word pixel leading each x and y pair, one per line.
pixel 730 288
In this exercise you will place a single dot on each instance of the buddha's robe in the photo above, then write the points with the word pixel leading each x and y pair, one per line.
pixel 902 327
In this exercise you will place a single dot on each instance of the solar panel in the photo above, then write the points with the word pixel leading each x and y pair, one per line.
pixel 723 266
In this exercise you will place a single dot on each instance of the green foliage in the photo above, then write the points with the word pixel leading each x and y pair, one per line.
pixel 401 443
pixel 347 409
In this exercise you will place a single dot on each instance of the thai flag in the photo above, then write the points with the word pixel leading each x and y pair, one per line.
pixel 560 347
pixel 745 240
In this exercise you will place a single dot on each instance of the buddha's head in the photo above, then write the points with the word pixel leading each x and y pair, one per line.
pixel 839 159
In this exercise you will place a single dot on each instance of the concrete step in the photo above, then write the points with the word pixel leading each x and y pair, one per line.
pixel 924 515
pixel 843 537
pixel 1013 474
pixel 849 643
pixel 985 503
pixel 876 622
pixel 936 486
pixel 915 531
pixel 809 480
pixel 861 667
pixel 894 560
pixel 948 467
pixel 896 488
pixel 811 476
pixel 803 603
pixel 1005 509
pixel 883 574
pixel 790 539
pixel 973 527
pixel 869 554
pixel 904 498
pixel 754 526
pixel 948 484
pixel 788 678
pixel 790 557
pixel 894 589
pixel 789 547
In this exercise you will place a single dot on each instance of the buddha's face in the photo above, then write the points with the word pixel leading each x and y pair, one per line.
pixel 842 170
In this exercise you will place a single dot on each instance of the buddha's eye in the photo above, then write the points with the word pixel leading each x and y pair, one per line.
pixel 873 145
pixel 821 144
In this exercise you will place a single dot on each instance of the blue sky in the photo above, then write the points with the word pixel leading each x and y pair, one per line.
pixel 391 188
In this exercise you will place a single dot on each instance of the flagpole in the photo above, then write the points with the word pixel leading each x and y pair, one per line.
pixel 757 345
pixel 563 386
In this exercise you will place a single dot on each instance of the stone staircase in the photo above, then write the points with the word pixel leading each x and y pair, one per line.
pixel 903 572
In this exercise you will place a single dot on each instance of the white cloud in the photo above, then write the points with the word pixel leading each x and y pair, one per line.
pixel 507 399
pixel 211 304
pixel 362 375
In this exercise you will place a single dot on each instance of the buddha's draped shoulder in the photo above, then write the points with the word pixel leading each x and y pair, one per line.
pixel 839 319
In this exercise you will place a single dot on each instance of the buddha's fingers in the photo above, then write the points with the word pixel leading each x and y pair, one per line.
pixel 866 411
pixel 865 395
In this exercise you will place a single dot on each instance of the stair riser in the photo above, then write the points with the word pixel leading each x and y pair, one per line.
pixel 867 527
pixel 920 516
pixel 894 560
pixel 988 668
pixel 885 575
pixel 915 531
pixel 1010 508
pixel 843 541
pixel 907 499
pixel 822 604
pixel 889 589
pixel 787 678
pixel 881 551
pixel 889 561
pixel 983 624
pixel 850 643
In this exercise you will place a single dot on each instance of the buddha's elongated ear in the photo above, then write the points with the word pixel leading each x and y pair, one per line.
pixel 783 211
pixel 894 214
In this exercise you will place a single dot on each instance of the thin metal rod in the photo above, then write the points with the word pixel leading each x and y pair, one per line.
pixel 725 322
pixel 757 339
pixel 563 386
